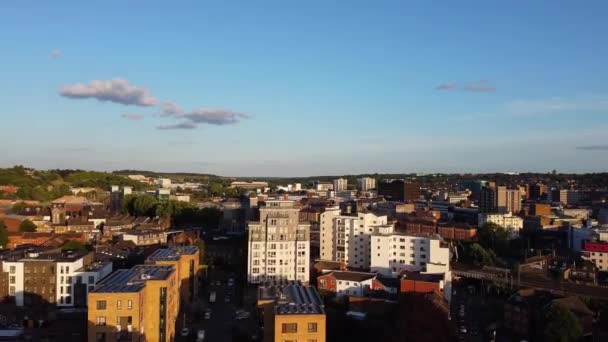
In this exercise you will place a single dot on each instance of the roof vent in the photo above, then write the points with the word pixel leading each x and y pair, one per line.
pixel 145 277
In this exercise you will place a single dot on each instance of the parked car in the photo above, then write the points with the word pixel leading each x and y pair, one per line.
pixel 207 315
pixel 185 332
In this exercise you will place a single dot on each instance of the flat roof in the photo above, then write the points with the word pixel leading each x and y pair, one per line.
pixel 133 280
pixel 291 298
pixel 172 254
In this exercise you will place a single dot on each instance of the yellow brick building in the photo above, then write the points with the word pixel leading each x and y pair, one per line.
pixel 292 312
pixel 186 261
pixel 140 304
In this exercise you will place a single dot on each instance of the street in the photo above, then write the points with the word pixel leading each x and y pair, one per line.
pixel 222 325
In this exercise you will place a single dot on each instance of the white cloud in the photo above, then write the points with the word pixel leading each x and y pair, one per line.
pixel 170 108
pixel 116 90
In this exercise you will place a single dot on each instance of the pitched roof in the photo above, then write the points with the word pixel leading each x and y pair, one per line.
pixel 389 281
pixel 70 199
pixel 574 304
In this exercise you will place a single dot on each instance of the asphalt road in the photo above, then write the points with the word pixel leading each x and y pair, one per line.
pixel 222 324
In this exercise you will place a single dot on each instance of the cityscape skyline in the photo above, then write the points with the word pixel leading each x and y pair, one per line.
pixel 303 90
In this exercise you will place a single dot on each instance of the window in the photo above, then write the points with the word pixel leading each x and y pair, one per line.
pixel 101 305
pixel 11 279
pixel 101 320
pixel 11 291
pixel 91 279
pixel 12 269
pixel 118 304
pixel 312 327
pixel 130 304
pixel 255 270
pixel 289 328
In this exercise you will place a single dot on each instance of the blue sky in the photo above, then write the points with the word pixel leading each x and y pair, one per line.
pixel 280 88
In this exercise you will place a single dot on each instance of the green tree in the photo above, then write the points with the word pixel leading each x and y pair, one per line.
pixel 128 204
pixel 479 255
pixel 3 235
pixel 495 237
pixel 27 226
pixel 145 205
pixel 73 245
pixel 561 325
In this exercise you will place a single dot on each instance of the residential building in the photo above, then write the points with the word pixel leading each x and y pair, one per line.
pixel 394 252
pixel 488 199
pixel 164 183
pixel 291 312
pixel 346 238
pixel 322 186
pixel 597 252
pixel 346 283
pixel 186 261
pixel 50 278
pixel 508 221
pixel 279 244
pixel 538 191
pixel 249 185
pixel 137 304
pixel 366 183
pixel 400 190
pixel 145 237
pixel 340 184
pixel 163 194
pixel 180 198
pixel 421 282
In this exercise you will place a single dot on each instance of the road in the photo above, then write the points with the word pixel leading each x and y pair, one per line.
pixel 222 325
pixel 465 313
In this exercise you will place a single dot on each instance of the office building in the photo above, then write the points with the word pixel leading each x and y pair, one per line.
pixel 321 186
pixel 138 304
pixel 291 312
pixel 537 191
pixel 340 184
pixel 186 261
pixel 488 199
pixel 366 183
pixel 346 238
pixel 400 190
pixel 279 244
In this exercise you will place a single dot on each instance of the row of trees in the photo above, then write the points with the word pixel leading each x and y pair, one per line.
pixel 493 242
pixel 178 213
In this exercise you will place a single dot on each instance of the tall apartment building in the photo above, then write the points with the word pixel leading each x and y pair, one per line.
pixel 138 304
pixel 565 196
pixel 393 252
pixel 400 190
pixel 512 200
pixel 488 199
pixel 186 261
pixel 291 312
pixel 340 184
pixel 537 191
pixel 61 279
pixel 499 199
pixel 279 244
pixel 366 183
pixel 346 238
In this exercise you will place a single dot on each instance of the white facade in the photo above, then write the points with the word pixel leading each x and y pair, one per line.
pixel 65 274
pixel 16 280
pixel 366 183
pixel 396 252
pixel 279 245
pixel 353 288
pixel 164 183
pixel 340 184
pixel 507 221
pixel 346 238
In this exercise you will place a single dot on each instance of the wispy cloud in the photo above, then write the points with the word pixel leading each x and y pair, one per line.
pixel 116 90
pixel 56 53
pixel 183 125
pixel 558 105
pixel 209 116
pixel 170 108
pixel 481 86
pixel 134 117
pixel 215 116
pixel 446 86
pixel 593 148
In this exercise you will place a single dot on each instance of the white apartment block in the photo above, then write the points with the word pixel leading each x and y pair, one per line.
pixel 279 244
pixel 508 221
pixel 393 252
pixel 366 183
pixel 340 184
pixel 346 238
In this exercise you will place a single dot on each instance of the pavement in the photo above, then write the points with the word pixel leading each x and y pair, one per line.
pixel 222 326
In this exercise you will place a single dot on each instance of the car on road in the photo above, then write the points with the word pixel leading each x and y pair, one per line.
pixel 463 330
pixel 185 332
pixel 200 335
pixel 212 296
